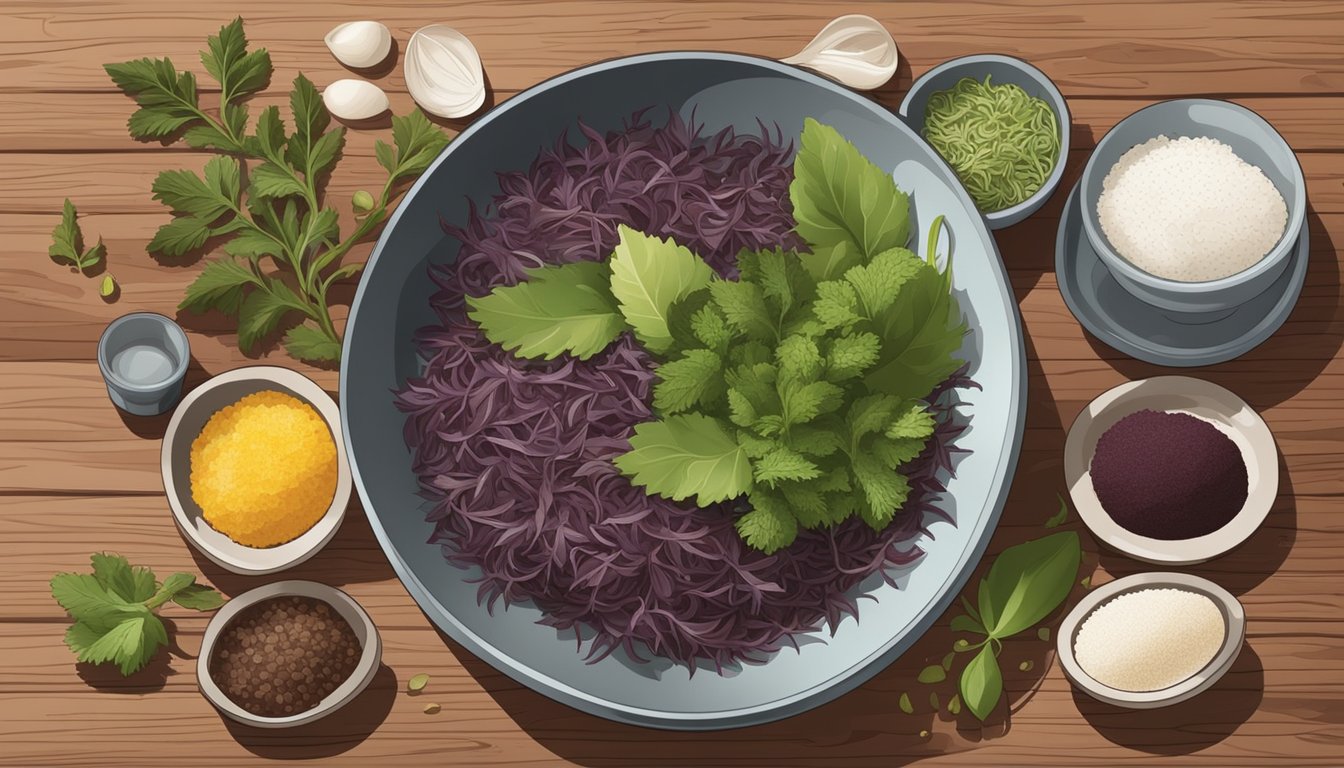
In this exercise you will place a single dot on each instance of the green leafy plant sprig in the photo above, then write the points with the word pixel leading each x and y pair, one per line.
pixel 796 385
pixel 278 215
pixel 114 606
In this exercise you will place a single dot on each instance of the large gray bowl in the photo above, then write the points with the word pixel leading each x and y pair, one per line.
pixel 1001 70
pixel 393 301
pixel 1255 141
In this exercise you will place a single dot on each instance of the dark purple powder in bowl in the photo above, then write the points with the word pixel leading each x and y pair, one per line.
pixel 1168 475
pixel 516 455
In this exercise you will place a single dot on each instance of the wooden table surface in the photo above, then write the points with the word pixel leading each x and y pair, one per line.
pixel 78 477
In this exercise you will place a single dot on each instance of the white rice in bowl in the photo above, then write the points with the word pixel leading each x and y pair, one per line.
pixel 1190 209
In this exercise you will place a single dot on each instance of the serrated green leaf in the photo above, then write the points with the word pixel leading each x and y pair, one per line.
pixel 831 261
pixel 647 276
pixel 269 138
pixel 850 355
pixel 879 282
pixel 799 357
pixel 819 442
pixel 783 464
pixel 67 242
pixel 386 155
pixel 1028 581
pixel 869 415
pixel 803 403
pixel 79 636
pixel 807 504
pixel 743 305
pixel 418 143
pixel 263 310
pixel 755 447
pixel 568 308
pixel 695 378
pixel 920 334
pixel 981 683
pixel 253 243
pixel 769 526
pixel 838 195
pixel 769 425
pixel 836 305
pixel 115 574
pixel 311 149
pixel 913 421
pixel 183 234
pixel 893 452
pixel 85 599
pixel 208 136
pixel 227 60
pixel 884 491
pixel 757 384
pixel 175 583
pixel 158 123
pixel 687 455
pixel 740 410
pixel 304 342
pixel 271 180
pixel 167 98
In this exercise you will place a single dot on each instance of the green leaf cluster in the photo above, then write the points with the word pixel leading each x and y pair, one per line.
pixel 282 245
pixel 797 384
pixel 113 608
pixel 1025 584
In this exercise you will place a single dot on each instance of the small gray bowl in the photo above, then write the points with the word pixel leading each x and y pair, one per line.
pixel 1001 70
pixel 1255 141
pixel 143 357
pixel 365 669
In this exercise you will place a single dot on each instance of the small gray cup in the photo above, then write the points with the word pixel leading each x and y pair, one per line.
pixel 143 358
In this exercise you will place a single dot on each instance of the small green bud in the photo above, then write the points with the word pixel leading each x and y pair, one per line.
pixel 362 202
pixel 108 287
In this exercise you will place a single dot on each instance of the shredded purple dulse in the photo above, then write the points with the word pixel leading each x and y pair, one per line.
pixel 516 456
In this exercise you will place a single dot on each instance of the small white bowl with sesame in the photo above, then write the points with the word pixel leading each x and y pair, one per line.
pixel 1151 640
pixel 188 421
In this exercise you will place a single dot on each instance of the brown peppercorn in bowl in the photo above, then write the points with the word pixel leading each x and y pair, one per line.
pixel 287 654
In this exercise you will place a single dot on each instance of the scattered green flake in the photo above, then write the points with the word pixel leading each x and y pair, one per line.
pixel 1043 633
pixel 905 704
pixel 1026 665
pixel 933 701
pixel 417 683
pixel 954 705
pixel 947 660
pixel 932 674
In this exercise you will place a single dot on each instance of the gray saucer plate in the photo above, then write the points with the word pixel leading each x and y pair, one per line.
pixel 1163 337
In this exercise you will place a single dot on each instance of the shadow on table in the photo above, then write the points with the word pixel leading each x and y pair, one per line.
pixel 338 732
pixel 153 427
pixel 106 678
pixel 1265 377
pixel 1187 727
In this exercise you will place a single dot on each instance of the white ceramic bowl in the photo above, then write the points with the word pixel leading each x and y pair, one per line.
pixel 1181 394
pixel 359 679
pixel 1234 621
pixel 175 462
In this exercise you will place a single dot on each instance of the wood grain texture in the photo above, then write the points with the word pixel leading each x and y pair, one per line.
pixel 77 477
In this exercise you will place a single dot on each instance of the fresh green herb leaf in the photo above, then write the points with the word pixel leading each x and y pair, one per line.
pixel 198 597
pixel 782 463
pixel 67 242
pixel 892 453
pixel 831 261
pixel 304 342
pixel 961 645
pixel 272 180
pixel 647 276
pixel 87 600
pixel 914 422
pixel 948 658
pixel 568 308
pixel 850 355
pixel 837 305
pixel 263 310
pixel 167 98
pixel 982 683
pixel 921 332
pixel 1059 517
pixel 932 674
pixel 310 149
pixel 694 378
pixel 220 286
pixel 743 305
pixel 964 623
pixel 954 705
pixel 417 683
pixel 799 357
pixel 885 491
pixel 418 142
pixel 839 196
pixel 1027 582
pixel 170 587
pixel 740 410
pixel 687 455
pixel 878 283
pixel 237 71
pixel 905 704
pixel 769 526
pixel 115 574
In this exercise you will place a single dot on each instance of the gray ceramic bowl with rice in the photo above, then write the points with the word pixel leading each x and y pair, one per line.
pixel 1253 141
pixel 1001 70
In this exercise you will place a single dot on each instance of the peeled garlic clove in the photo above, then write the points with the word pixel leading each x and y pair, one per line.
pixel 359 44
pixel 355 99
pixel 443 72
pixel 856 50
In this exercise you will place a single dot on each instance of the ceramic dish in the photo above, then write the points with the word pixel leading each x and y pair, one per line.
pixel 1180 394
pixel 1177 339
pixel 1255 141
pixel 1234 620
pixel 346 692
pixel 1002 70
pixel 393 301
pixel 175 463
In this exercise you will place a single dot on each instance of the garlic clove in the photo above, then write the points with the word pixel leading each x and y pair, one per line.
pixel 359 44
pixel 443 72
pixel 355 99
pixel 856 50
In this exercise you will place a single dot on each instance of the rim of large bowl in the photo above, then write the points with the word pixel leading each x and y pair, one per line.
pixel 1297 211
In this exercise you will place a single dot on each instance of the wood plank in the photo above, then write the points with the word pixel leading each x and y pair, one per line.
pixel 487 719
pixel 1308 123
pixel 1150 49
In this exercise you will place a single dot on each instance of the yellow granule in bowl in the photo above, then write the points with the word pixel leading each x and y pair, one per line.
pixel 263 470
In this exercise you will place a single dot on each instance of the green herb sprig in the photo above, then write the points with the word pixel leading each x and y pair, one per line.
pixel 113 609
pixel 67 242
pixel 279 216
pixel 796 385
